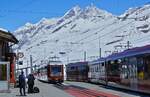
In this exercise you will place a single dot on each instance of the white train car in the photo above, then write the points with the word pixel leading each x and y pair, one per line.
pixel 97 72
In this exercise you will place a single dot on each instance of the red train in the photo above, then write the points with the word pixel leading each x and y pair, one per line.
pixel 52 72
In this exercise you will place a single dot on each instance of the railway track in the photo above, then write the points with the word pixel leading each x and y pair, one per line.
pixel 78 91
pixel 83 92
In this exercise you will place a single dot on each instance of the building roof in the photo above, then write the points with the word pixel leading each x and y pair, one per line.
pixel 7 36
pixel 130 52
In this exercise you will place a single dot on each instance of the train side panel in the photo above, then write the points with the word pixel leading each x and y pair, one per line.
pixel 97 73
pixel 77 71
pixel 130 69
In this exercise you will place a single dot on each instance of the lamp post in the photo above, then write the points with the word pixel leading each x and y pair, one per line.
pixel 84 56
pixel 100 48
pixel 31 64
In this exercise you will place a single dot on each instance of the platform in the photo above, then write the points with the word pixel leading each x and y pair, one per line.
pixel 71 89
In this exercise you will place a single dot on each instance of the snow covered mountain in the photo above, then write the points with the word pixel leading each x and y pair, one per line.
pixel 82 31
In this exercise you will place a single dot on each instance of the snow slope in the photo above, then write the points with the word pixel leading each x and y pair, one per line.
pixel 83 30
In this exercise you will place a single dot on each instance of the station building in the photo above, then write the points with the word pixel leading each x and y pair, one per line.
pixel 7 59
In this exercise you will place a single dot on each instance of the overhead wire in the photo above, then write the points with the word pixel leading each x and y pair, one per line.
pixel 108 32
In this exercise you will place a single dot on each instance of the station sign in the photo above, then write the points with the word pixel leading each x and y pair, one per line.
pixel 20 55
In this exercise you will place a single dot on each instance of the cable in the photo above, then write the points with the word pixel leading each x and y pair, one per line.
pixel 112 31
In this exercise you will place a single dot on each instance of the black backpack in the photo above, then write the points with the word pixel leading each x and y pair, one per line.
pixel 36 90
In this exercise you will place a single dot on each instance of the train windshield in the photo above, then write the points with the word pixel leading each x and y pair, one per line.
pixel 55 70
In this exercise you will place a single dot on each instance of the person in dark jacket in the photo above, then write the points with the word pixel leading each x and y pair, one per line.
pixel 22 83
pixel 30 83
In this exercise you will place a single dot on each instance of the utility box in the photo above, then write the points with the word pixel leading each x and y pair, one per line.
pixel 4 76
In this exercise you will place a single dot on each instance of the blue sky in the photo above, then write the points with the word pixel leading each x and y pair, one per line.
pixel 15 13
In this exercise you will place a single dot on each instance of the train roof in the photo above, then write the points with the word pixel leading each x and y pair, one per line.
pixel 130 52
pixel 55 62
pixel 77 64
pixel 52 63
pixel 100 60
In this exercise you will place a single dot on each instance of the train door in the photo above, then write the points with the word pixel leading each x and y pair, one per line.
pixel 48 71
pixel 133 73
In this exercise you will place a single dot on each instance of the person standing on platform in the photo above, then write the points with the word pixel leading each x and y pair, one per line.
pixel 22 84
pixel 30 83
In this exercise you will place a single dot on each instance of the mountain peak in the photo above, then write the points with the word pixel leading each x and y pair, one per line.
pixel 73 12
pixel 92 7
pixel 87 12
pixel 76 8
pixel 93 11
pixel 28 24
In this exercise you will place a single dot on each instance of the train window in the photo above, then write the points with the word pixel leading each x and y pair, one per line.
pixel 55 70
pixel 113 68
pixel 45 67
pixel 83 67
pixel 76 67
pixel 124 71
pixel 112 62
pixel 38 71
pixel 72 68
pixel 144 68
pixel 93 69
pixel 119 60
pixel 97 68
pixel 108 62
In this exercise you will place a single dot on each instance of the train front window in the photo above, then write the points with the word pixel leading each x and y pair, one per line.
pixel 55 71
